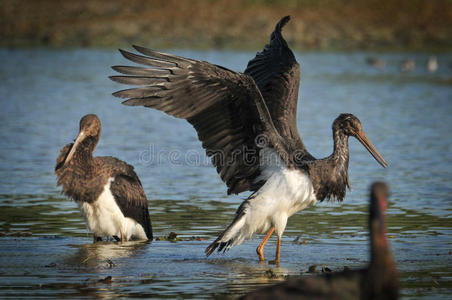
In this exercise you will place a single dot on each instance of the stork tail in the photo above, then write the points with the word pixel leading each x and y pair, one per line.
pixel 234 233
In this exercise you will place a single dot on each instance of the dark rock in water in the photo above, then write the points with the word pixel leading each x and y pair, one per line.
pixel 326 269
pixel 110 263
pixel 51 265
pixel 270 274
pixel 312 269
pixel 172 236
pixel 352 258
pixel 107 279
pixel 298 240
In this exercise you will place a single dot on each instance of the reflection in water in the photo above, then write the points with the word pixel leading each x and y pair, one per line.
pixel 103 254
pixel 248 277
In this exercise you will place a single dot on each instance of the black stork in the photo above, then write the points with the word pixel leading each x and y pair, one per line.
pixel 247 123
pixel 106 189
pixel 378 281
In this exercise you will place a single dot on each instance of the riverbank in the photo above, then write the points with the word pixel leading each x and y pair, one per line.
pixel 323 24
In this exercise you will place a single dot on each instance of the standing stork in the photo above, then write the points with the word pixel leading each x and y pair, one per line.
pixel 106 189
pixel 247 123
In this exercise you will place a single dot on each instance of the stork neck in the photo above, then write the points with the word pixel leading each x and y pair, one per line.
pixel 84 154
pixel 340 152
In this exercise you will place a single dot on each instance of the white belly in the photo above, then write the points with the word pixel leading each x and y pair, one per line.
pixel 105 218
pixel 285 192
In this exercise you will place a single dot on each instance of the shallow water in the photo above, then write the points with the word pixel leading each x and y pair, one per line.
pixel 45 249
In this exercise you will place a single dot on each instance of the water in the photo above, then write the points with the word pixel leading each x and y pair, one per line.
pixel 45 249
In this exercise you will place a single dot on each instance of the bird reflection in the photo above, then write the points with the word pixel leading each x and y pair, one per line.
pixel 104 254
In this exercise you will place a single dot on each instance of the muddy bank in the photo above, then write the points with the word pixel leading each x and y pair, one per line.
pixel 323 24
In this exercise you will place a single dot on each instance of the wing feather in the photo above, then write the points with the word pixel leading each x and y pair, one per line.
pixel 225 107
pixel 128 192
pixel 277 74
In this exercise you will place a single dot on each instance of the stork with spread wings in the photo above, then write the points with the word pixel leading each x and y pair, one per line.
pixel 247 123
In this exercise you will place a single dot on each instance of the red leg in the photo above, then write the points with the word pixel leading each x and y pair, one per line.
pixel 260 248
pixel 277 256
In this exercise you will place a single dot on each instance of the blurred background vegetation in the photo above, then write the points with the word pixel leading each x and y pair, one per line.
pixel 317 24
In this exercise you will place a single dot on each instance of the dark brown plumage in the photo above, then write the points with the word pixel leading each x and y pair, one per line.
pixel 215 100
pixel 378 281
pixel 84 178
pixel 329 175
pixel 240 116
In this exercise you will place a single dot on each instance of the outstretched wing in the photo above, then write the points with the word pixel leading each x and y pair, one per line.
pixel 128 192
pixel 277 74
pixel 225 107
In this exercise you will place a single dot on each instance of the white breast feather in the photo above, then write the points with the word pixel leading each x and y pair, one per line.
pixel 105 218
pixel 285 192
